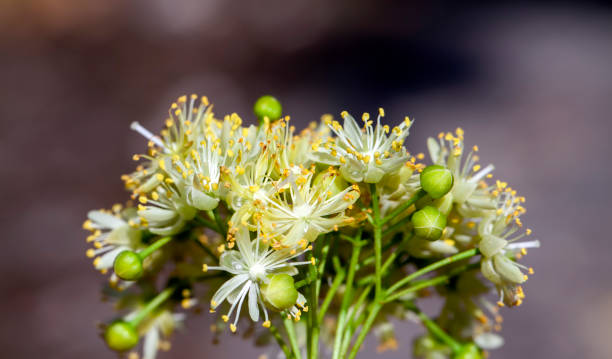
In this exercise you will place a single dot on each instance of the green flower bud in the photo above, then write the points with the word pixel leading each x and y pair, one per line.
pixel 128 265
pixel 121 336
pixel 436 180
pixel 468 351
pixel 428 223
pixel 267 106
pixel 280 292
pixel 332 182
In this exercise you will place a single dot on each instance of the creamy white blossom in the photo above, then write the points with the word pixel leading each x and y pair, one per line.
pixel 250 267
pixel 364 154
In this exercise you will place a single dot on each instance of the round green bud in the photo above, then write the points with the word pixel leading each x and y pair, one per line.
pixel 468 351
pixel 333 183
pixel 268 106
pixel 121 336
pixel 436 180
pixel 280 292
pixel 428 223
pixel 128 265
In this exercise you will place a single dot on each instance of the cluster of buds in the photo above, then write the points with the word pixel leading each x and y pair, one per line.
pixel 339 223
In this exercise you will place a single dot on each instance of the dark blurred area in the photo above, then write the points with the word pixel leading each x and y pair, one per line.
pixel 531 84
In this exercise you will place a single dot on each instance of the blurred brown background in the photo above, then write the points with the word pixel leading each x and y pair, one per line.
pixel 530 84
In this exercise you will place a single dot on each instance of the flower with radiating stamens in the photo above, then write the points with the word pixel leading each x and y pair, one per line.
pixel 236 144
pixel 183 126
pixel 364 154
pixel 112 233
pixel 301 210
pixel 289 151
pixel 251 267
pixel 469 191
pixel 248 187
pixel 498 241
pixel 197 176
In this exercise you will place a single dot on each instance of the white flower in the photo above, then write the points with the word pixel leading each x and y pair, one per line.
pixel 364 155
pixel 301 210
pixel 248 187
pixel 166 210
pixel 288 151
pixel 250 266
pixel 184 126
pixel 112 233
pixel 496 244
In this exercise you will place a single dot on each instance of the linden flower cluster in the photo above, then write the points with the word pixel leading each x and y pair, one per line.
pixel 320 236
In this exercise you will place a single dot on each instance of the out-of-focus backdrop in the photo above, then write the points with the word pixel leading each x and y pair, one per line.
pixel 531 84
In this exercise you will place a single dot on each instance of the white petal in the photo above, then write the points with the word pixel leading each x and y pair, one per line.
pixel 108 259
pixel 201 200
pixel 353 132
pixel 105 219
pixel 253 308
pixel 508 269
pixel 229 287
pixel 491 245
pixel 155 214
pixel 434 150
pixel 151 342
pixel 489 341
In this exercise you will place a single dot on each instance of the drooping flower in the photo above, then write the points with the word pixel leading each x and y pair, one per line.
pixel 498 242
pixel 364 154
pixel 112 233
pixel 251 267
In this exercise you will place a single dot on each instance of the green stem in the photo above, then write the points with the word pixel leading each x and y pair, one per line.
pixel 376 306
pixel 436 330
pixel 313 322
pixel 441 263
pixel 220 222
pixel 417 287
pixel 207 250
pixel 377 240
pixel 321 268
pixel 290 328
pixel 354 322
pixel 330 294
pixel 306 281
pixel 431 282
pixel 401 224
pixel 206 223
pixel 154 246
pixel 404 206
pixel 152 305
pixel 346 299
pixel 280 341
pixel 388 262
